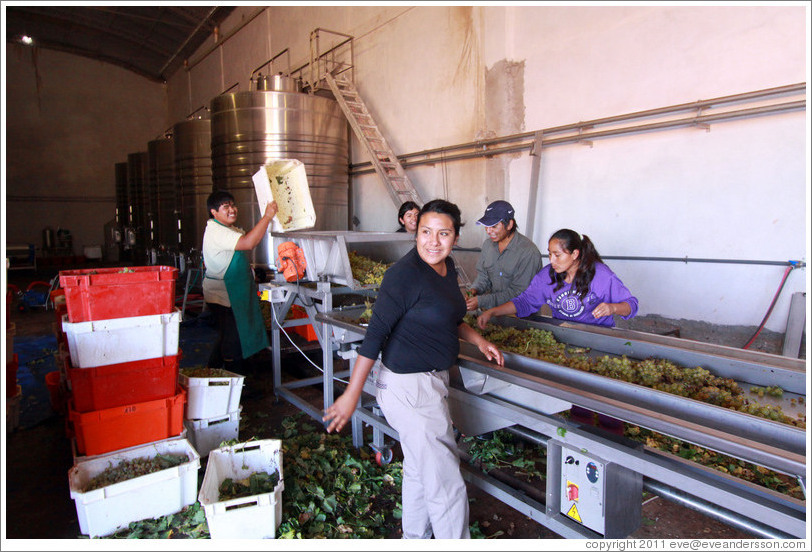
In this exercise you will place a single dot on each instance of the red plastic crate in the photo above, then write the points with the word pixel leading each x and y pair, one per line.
pixel 102 431
pixel 305 330
pixel 105 293
pixel 113 385
pixel 11 376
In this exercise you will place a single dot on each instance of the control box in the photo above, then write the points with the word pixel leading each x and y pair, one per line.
pixel 602 496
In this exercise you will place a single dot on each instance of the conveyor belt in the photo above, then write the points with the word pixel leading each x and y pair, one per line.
pixel 763 442
pixel 527 393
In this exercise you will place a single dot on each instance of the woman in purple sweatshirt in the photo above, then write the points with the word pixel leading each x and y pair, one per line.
pixel 578 287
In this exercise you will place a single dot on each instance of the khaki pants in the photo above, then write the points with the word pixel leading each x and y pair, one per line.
pixel 434 496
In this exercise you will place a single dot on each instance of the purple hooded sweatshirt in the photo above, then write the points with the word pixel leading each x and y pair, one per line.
pixel 605 287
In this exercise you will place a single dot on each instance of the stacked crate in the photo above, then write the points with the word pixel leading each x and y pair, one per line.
pixel 119 348
pixel 212 414
pixel 105 510
pixel 121 364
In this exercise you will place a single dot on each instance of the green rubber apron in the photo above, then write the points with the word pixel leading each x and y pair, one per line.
pixel 242 292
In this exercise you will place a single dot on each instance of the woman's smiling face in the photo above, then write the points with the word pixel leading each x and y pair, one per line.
pixel 435 239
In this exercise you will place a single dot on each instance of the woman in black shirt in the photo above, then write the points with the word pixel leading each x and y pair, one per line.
pixel 416 324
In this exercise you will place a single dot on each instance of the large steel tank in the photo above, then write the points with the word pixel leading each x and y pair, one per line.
pixel 137 198
pixel 252 128
pixel 193 179
pixel 162 201
pixel 122 210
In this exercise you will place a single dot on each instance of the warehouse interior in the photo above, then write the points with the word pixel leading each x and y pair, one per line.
pixel 674 136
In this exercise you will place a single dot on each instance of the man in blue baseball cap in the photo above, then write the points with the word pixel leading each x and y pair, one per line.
pixel 508 260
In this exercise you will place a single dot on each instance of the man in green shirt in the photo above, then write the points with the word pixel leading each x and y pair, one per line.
pixel 229 288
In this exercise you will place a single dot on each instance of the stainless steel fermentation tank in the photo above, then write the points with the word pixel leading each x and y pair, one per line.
pixel 137 200
pixel 252 128
pixel 193 179
pixel 122 213
pixel 115 231
pixel 161 215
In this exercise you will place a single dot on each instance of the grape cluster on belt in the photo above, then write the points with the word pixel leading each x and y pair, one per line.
pixel 365 270
pixel 663 375
pixel 367 314
pixel 772 390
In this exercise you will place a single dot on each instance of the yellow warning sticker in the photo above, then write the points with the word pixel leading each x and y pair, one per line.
pixel 573 513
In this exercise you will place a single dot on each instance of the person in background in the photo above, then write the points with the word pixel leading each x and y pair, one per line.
pixel 407 217
pixel 416 323
pixel 578 287
pixel 229 287
pixel 508 260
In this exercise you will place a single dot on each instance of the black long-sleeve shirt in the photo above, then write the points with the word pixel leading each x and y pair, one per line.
pixel 415 317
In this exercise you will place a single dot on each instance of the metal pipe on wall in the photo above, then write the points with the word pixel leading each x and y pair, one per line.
pixel 686 260
pixel 528 138
pixel 185 42
pixel 222 39
pixel 537 140
pixel 792 263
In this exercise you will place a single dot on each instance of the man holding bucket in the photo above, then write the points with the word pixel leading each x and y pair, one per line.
pixel 229 288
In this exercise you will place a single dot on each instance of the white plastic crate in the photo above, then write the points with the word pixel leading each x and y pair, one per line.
pixel 206 435
pixel 211 397
pixel 251 517
pixel 106 510
pixel 116 340
pixel 285 181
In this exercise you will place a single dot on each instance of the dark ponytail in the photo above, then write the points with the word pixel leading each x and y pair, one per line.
pixel 573 241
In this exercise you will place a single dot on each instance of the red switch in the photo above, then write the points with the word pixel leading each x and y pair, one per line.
pixel 572 491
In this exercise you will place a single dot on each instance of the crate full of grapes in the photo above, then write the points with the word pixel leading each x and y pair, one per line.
pixel 242 489
pixel 112 490
pixel 211 392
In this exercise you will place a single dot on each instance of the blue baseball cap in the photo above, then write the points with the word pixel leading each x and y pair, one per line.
pixel 496 212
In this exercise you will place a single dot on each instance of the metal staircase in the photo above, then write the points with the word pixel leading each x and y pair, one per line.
pixel 383 158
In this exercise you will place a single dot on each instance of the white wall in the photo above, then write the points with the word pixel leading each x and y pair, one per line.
pixel 441 75
pixel 68 121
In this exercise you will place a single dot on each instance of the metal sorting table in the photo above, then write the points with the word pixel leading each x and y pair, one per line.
pixel 526 394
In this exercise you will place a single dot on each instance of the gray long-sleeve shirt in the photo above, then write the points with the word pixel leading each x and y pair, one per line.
pixel 503 276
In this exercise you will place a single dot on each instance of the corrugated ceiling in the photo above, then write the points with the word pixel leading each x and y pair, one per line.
pixel 152 41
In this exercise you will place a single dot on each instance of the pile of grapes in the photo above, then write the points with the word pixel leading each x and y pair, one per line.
pixel 256 483
pixel 365 270
pixel 130 469
pixel 205 372
pixel 663 375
